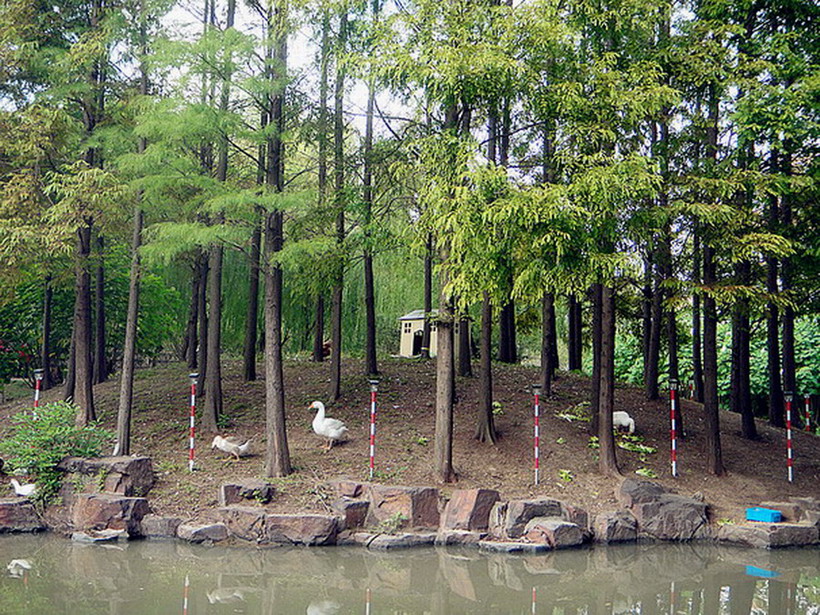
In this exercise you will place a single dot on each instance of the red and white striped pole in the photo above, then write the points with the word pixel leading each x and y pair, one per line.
pixel 673 418
pixel 38 383
pixel 787 395
pixel 534 601
pixel 374 387
pixel 191 424
pixel 536 391
pixel 691 390
pixel 185 594
pixel 367 598
pixel 807 406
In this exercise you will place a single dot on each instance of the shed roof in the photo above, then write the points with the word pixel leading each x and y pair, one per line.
pixel 416 315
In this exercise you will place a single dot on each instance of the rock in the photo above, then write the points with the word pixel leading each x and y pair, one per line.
pixel 155 526
pixel 790 511
pixel 633 491
pixel 510 520
pixel 511 547
pixel 403 507
pixel 208 532
pixel 615 526
pixel 353 513
pixel 347 488
pixel 19 515
pixel 384 542
pixel 129 476
pixel 244 522
pixel 246 489
pixel 459 537
pixel 672 517
pixel 99 536
pixel 769 536
pixel 469 509
pixel 578 516
pixel 104 511
pixel 554 532
pixel 311 530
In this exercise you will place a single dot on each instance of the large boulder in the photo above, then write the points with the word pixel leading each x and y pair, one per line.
pixel 634 491
pixel 469 509
pixel 18 515
pixel 202 532
pixel 125 475
pixel 403 507
pixel 672 517
pixel 509 519
pixel 245 522
pixel 615 526
pixel 348 488
pixel 310 530
pixel 106 511
pixel 353 513
pixel 553 531
pixel 156 526
pixel 769 535
pixel 248 489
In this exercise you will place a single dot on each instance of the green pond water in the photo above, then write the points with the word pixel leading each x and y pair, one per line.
pixel 148 577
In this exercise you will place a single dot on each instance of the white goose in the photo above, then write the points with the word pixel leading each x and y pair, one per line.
pixel 332 429
pixel 26 490
pixel 238 447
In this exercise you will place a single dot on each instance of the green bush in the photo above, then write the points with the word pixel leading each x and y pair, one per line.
pixel 37 445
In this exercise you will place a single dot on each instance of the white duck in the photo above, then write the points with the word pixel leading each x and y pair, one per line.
pixel 18 567
pixel 26 490
pixel 237 447
pixel 332 429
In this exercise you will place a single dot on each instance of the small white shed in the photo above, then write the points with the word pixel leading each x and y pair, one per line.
pixel 412 330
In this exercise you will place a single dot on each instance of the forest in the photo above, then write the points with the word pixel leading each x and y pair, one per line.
pixel 624 188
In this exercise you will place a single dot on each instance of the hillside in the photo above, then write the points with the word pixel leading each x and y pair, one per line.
pixel 756 471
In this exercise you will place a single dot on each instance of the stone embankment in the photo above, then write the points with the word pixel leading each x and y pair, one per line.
pixel 105 499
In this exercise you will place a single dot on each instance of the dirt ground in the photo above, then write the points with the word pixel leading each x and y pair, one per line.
pixel 756 471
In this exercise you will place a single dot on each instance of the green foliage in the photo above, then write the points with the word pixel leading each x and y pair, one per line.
pixel 565 475
pixel 646 472
pixel 37 443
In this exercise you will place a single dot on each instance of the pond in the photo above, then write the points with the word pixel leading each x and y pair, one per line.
pixel 148 577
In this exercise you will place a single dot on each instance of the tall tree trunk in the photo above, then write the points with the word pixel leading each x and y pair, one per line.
pixel 789 366
pixel 607 461
pixel 485 423
pixel 646 313
pixel 45 346
pixel 202 309
pixel 507 351
pixel 190 343
pixel 597 332
pixel 547 342
pixel 371 367
pixel 319 330
pixel 465 365
pixel 323 128
pixel 652 367
pixel 428 297
pixel 252 314
pixel 741 371
pixel 572 333
pixel 277 455
pixel 71 368
pixel 83 369
pixel 129 352
pixel 697 359
pixel 213 378
pixel 714 458
pixel 100 361
pixel 339 201
pixel 444 385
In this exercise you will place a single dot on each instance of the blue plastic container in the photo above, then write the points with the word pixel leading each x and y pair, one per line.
pixel 754 571
pixel 766 515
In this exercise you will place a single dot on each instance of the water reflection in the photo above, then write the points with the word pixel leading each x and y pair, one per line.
pixel 166 577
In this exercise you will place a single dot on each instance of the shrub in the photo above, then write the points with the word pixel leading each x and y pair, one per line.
pixel 37 445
